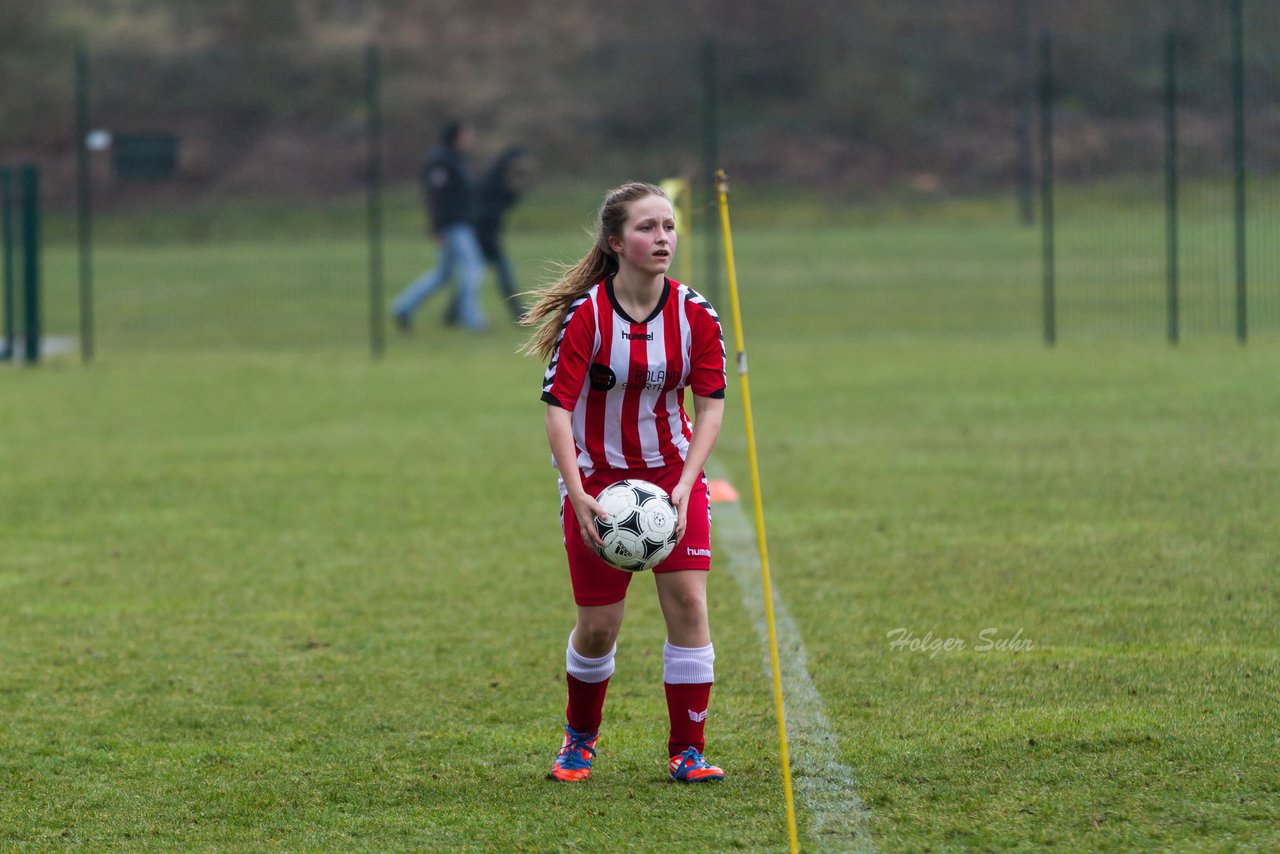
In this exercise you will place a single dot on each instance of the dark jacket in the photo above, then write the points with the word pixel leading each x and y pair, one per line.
pixel 446 188
pixel 497 194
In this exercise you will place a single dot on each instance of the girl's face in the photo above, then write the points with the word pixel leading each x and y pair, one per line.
pixel 648 239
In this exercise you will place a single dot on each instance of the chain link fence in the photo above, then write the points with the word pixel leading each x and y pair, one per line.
pixel 1165 161
pixel 259 198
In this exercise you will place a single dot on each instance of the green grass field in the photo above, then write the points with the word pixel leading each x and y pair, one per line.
pixel 258 590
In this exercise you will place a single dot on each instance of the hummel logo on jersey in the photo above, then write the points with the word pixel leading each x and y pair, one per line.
pixel 636 336
pixel 697 717
pixel 698 552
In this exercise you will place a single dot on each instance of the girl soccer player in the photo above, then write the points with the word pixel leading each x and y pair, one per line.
pixel 623 343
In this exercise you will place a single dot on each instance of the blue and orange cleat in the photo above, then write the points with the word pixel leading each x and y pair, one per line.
pixel 573 763
pixel 690 767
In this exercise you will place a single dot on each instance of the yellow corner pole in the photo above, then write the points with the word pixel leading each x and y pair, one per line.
pixel 722 190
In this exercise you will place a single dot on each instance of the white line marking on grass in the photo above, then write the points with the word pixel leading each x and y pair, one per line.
pixel 819 780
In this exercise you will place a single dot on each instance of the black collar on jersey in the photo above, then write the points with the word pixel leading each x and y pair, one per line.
pixel 657 310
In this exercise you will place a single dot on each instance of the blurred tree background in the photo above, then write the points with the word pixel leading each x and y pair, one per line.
pixel 830 111
pixel 846 96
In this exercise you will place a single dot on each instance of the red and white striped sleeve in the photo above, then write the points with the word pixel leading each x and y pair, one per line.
pixel 706 350
pixel 571 358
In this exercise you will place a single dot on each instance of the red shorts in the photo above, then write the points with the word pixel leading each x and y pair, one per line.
pixel 596 582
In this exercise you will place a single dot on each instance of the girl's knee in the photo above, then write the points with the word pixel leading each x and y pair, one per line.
pixel 595 635
pixel 691 601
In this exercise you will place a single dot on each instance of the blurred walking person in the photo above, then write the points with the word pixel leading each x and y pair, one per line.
pixel 449 198
pixel 500 189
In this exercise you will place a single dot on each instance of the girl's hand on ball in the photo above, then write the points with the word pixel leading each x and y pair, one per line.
pixel 680 498
pixel 587 510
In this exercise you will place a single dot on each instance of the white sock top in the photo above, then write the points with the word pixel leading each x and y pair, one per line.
pixel 683 665
pixel 585 669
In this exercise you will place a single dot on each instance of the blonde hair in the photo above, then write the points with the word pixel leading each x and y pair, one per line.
pixel 551 303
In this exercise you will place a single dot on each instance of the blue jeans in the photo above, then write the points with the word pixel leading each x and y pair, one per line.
pixel 506 284
pixel 458 251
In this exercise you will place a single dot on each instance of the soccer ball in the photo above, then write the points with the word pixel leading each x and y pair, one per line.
pixel 641 529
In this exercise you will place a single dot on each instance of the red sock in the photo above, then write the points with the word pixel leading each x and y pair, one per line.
pixel 687 708
pixel 586 704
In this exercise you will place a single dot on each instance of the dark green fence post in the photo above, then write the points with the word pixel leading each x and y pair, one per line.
pixel 373 104
pixel 84 205
pixel 30 179
pixel 1026 97
pixel 1171 182
pixel 1237 99
pixel 1046 189
pixel 710 163
pixel 6 230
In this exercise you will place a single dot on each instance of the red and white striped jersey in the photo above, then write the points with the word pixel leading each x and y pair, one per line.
pixel 623 380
